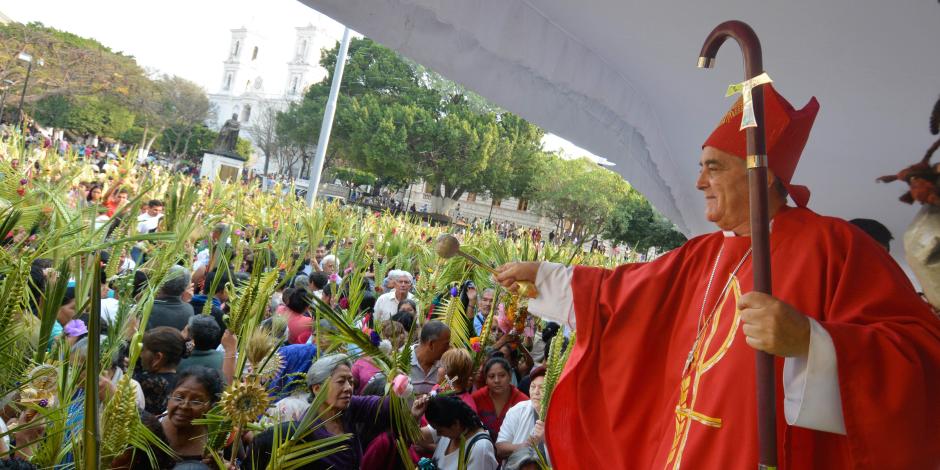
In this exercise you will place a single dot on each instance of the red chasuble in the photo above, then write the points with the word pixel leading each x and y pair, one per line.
pixel 627 400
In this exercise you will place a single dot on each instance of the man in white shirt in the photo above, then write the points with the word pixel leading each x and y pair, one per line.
pixel 387 304
pixel 148 221
pixel 522 426
pixel 201 266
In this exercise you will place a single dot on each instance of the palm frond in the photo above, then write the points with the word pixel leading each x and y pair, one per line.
pixel 454 316
pixel 555 365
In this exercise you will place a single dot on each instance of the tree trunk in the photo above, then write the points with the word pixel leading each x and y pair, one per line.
pixel 143 138
pixel 442 205
pixel 453 193
pixel 176 144
pixel 189 137
pixel 153 138
pixel 328 160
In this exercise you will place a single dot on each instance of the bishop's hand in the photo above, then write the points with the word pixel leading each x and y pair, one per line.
pixel 510 274
pixel 773 326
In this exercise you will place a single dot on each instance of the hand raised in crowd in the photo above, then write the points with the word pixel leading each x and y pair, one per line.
pixel 507 338
pixel 188 293
pixel 419 406
pixel 773 326
pixel 229 342
pixel 106 389
pixel 131 329
pixel 511 273
pixel 538 434
pixel 26 433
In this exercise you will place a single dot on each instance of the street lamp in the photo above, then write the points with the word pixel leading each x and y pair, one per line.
pixel 3 97
pixel 26 58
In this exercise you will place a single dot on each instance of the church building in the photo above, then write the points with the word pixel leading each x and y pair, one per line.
pixel 259 74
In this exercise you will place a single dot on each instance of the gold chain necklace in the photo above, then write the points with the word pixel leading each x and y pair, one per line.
pixel 702 325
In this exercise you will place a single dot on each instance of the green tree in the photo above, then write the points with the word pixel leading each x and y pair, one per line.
pixel 371 69
pixel 73 65
pixel 181 141
pixel 86 87
pixel 634 222
pixel 353 178
pixel 243 147
pixel 580 192
pixel 85 114
pixel 180 107
pixel 524 164
pixel 401 123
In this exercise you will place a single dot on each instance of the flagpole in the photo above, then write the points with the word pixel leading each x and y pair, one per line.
pixel 760 220
pixel 316 169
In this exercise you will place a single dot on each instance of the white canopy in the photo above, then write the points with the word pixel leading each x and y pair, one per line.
pixel 619 78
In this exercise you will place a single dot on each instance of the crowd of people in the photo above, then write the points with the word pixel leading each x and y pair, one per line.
pixel 475 394
pixel 187 359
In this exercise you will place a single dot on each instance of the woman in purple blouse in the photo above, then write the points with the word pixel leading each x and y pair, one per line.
pixel 356 415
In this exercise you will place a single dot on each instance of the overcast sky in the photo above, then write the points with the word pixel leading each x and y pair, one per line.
pixel 186 38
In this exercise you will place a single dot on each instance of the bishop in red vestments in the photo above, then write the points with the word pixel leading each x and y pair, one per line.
pixel 662 374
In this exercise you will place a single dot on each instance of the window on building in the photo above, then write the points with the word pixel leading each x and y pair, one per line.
pixel 293 85
pixel 302 52
pixel 246 113
pixel 254 54
pixel 497 202
pixel 471 197
pixel 523 205
pixel 228 81
pixel 235 49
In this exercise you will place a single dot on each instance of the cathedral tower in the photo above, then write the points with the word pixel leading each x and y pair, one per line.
pixel 304 68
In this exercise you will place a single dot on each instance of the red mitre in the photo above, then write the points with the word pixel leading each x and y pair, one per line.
pixel 786 132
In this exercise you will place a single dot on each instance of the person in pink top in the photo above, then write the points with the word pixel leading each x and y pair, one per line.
pixel 364 369
pixel 294 310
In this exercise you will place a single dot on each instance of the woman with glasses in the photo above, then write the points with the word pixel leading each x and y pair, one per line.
pixel 197 389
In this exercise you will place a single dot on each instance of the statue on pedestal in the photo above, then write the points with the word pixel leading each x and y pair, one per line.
pixel 228 137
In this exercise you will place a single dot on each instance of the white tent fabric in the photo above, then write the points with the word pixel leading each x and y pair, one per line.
pixel 618 78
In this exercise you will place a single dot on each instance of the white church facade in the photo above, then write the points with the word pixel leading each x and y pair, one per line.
pixel 258 74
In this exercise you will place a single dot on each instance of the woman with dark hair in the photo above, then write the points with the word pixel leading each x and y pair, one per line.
pixel 468 298
pixel 454 425
pixel 294 310
pixel 498 396
pixel 196 392
pixel 408 305
pixel 407 310
pixel 197 389
pixel 163 348
pixel 93 196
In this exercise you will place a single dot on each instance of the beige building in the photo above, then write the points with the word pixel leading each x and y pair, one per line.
pixel 470 206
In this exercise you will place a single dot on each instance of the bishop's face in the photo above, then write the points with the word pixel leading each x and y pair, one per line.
pixel 723 180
